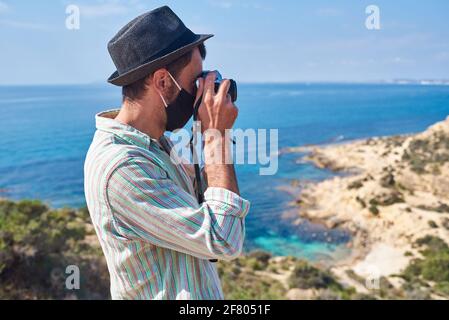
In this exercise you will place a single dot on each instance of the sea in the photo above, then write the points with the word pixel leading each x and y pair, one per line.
pixel 46 131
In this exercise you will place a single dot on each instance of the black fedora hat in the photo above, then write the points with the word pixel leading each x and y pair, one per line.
pixel 149 42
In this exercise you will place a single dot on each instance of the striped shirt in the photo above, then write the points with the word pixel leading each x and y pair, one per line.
pixel 156 237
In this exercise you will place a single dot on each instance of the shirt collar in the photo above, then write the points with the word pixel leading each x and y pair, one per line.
pixel 105 121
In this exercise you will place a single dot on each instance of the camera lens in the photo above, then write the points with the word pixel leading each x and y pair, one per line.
pixel 218 81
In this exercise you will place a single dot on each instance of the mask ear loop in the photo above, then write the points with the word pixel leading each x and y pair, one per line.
pixel 163 100
pixel 179 87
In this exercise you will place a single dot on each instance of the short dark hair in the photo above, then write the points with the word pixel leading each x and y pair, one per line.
pixel 135 90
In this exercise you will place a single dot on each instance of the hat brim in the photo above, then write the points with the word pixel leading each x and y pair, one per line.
pixel 151 66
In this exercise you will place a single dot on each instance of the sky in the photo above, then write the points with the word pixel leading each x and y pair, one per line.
pixel 255 40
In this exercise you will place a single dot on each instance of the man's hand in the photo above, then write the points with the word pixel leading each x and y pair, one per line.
pixel 217 111
pixel 217 114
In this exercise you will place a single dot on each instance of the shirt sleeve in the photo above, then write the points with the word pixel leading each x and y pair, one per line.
pixel 151 207
pixel 190 169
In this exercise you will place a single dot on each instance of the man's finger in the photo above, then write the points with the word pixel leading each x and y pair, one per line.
pixel 224 89
pixel 210 84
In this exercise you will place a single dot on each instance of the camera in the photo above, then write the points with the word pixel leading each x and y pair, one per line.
pixel 218 80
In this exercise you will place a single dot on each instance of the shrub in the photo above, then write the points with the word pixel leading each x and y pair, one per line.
pixel 243 284
pixel 387 199
pixel 433 224
pixel 388 181
pixel 305 276
pixel 374 210
pixel 429 152
pixel 355 185
pixel 433 267
pixel 361 202
pixel 432 244
pixel 261 256
pixel 36 246
pixel 440 208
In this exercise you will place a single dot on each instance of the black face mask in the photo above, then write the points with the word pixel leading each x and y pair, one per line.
pixel 179 111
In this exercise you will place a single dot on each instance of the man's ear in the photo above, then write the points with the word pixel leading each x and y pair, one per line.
pixel 160 80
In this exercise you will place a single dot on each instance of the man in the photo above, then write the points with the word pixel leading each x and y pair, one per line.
pixel 159 242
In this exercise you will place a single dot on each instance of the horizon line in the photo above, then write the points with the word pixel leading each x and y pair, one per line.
pixel 392 82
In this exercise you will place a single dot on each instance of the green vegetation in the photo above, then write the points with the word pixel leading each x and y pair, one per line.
pixel 361 202
pixel 432 270
pixel 433 224
pixel 440 208
pixel 374 210
pixel 240 280
pixel 245 279
pixel 355 185
pixel 387 199
pixel 427 155
pixel 306 276
pixel 36 246
pixel 390 197
pixel 38 243
pixel 388 180
pixel 394 142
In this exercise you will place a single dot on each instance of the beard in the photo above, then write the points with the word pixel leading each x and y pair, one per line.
pixel 172 93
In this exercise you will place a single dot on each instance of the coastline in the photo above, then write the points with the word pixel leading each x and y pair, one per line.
pixel 393 191
pixel 390 193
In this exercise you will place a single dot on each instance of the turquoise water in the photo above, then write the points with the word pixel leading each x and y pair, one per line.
pixel 46 132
